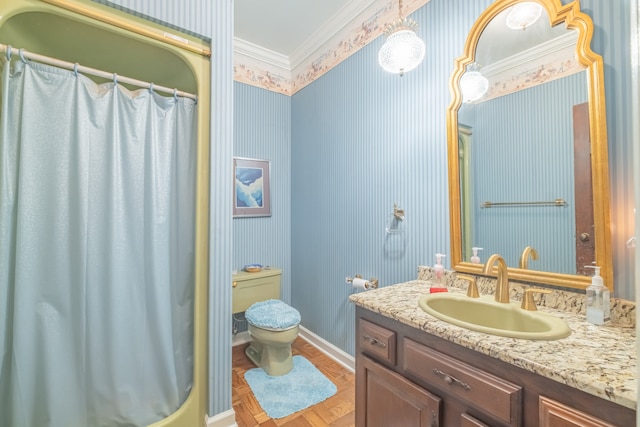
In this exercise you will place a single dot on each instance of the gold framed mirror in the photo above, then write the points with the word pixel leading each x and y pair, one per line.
pixel 467 208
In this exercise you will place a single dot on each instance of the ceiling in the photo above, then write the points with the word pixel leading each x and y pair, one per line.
pixel 286 26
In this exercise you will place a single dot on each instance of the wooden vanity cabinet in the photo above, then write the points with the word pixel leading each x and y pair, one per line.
pixel 407 377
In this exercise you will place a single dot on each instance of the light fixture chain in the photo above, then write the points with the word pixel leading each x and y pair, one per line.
pixel 400 9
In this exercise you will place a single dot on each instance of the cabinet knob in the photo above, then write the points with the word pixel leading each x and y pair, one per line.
pixel 235 283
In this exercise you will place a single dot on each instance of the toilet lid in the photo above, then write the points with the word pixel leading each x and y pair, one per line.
pixel 272 314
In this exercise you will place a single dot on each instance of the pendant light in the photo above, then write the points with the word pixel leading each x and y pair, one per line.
pixel 403 50
pixel 473 84
pixel 523 15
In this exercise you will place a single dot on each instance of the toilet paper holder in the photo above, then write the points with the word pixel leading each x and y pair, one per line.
pixel 372 283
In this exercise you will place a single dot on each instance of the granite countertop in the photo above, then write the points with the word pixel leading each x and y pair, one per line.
pixel 600 360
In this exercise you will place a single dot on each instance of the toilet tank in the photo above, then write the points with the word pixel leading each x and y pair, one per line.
pixel 249 288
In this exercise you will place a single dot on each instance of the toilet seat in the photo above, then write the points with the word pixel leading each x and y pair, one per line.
pixel 273 315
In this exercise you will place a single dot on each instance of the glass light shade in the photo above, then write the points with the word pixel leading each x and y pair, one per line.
pixel 473 86
pixel 523 15
pixel 403 51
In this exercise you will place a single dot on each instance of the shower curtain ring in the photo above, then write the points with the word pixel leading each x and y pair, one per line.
pixel 151 87
pixel 75 69
pixel 21 53
pixel 115 78
pixel 175 94
pixel 9 52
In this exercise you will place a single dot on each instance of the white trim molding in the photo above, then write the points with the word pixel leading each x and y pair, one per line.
pixel 223 419
pixel 329 349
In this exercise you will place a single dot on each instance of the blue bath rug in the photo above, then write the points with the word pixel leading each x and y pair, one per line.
pixel 283 395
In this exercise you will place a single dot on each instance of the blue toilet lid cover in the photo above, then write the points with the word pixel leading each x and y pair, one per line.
pixel 272 314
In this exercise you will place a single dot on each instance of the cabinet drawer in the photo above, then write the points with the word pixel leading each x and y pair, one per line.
pixel 377 341
pixel 556 414
pixel 487 393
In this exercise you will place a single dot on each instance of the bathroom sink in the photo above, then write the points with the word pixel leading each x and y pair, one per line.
pixel 484 314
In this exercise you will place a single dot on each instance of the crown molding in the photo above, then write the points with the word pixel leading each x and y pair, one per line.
pixel 554 50
pixel 547 61
pixel 261 54
pixel 335 25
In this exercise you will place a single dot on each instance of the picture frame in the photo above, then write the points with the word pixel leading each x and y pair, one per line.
pixel 251 187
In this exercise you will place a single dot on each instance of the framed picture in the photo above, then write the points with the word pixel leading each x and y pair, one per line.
pixel 251 187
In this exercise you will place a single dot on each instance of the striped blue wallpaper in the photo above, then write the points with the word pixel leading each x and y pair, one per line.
pixel 611 39
pixel 362 140
pixel 262 130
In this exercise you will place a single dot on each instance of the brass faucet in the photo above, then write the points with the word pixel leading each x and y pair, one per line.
pixel 502 284
pixel 524 258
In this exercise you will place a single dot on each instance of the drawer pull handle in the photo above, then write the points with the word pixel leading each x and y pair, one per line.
pixel 451 380
pixel 374 341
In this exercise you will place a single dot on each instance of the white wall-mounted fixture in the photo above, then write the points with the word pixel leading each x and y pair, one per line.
pixel 523 15
pixel 403 50
pixel 359 283
pixel 473 84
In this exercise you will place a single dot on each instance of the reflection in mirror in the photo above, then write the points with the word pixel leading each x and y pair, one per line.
pixel 528 161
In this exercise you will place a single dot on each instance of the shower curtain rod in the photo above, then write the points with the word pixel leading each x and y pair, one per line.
pixel 23 54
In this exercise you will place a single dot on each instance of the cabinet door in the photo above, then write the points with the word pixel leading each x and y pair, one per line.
pixel 556 414
pixel 391 400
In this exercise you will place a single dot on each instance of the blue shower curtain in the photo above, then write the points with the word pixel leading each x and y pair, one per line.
pixel 96 250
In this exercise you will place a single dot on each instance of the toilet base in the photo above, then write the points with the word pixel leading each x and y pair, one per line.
pixel 275 361
pixel 274 356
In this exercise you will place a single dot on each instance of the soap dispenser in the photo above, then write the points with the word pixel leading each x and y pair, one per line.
pixel 438 270
pixel 598 299
pixel 475 258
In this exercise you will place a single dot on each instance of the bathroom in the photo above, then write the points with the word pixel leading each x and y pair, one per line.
pixel 343 150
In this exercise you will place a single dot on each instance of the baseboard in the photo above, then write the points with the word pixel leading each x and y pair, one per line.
pixel 345 359
pixel 223 419
pixel 241 338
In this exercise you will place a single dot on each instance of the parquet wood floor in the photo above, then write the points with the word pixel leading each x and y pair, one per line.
pixel 336 411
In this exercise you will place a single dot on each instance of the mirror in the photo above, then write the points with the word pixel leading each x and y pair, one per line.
pixel 528 163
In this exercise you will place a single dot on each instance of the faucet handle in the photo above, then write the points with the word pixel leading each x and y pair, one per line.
pixel 527 301
pixel 472 289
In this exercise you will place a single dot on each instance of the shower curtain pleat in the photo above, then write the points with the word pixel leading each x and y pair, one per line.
pixel 97 229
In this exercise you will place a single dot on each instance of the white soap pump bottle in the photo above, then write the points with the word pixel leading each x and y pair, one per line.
pixel 598 299
pixel 438 269
pixel 475 258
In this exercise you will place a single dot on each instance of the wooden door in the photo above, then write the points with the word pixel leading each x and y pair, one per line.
pixel 585 237
pixel 391 400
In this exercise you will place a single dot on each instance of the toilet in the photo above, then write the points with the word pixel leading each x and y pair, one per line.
pixel 273 326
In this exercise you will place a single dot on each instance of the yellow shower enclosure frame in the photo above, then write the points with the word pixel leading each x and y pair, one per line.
pixel 101 37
